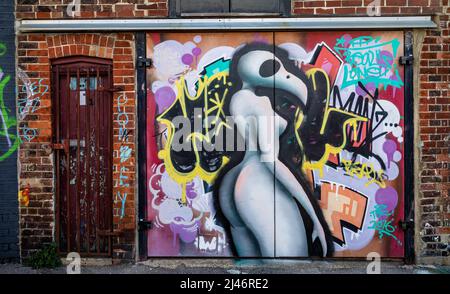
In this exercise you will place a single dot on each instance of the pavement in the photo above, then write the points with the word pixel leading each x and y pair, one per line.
pixel 228 266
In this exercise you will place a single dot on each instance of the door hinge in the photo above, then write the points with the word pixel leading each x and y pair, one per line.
pixel 406 60
pixel 406 225
pixel 144 225
pixel 144 62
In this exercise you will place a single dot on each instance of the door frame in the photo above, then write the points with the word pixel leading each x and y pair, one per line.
pixel 407 225
pixel 55 105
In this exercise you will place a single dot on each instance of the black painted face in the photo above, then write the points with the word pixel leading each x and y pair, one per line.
pixel 269 68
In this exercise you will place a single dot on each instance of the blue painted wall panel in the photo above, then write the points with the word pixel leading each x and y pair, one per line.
pixel 9 215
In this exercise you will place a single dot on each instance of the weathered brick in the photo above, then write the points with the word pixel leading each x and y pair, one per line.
pixel 45 9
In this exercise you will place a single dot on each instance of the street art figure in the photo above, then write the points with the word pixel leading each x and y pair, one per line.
pixel 247 190
pixel 315 166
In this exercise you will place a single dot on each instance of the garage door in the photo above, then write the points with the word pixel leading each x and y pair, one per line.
pixel 275 144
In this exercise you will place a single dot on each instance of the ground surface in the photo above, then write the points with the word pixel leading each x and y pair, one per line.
pixel 211 266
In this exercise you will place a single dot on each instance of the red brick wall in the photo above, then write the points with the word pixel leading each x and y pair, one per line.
pixel 434 142
pixel 36 162
pixel 35 52
pixel 47 9
pixel 359 7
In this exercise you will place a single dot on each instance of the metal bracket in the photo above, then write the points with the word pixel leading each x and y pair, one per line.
pixel 144 225
pixel 144 62
pixel 114 89
pixel 107 233
pixel 57 146
pixel 64 145
pixel 406 225
pixel 406 60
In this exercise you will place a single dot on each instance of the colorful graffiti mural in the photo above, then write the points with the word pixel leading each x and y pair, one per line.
pixel 275 144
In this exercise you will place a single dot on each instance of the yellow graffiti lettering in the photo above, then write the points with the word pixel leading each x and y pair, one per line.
pixel 212 104
pixel 361 170
pixel 352 121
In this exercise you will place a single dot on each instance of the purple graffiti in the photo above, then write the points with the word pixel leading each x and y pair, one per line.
pixel 187 59
pixel 370 88
pixel 187 233
pixel 196 51
pixel 164 97
pixel 345 40
pixel 389 147
pixel 191 193
pixel 387 196
pixel 385 59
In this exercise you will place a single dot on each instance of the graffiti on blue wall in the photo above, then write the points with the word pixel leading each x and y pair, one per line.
pixel 9 138
pixel 7 116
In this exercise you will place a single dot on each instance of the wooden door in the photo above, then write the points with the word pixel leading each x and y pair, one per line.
pixel 83 146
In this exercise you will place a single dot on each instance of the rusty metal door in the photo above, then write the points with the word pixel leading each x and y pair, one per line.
pixel 83 146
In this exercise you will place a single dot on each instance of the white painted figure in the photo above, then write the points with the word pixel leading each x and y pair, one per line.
pixel 247 190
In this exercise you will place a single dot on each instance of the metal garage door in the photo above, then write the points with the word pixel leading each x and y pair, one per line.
pixel 275 144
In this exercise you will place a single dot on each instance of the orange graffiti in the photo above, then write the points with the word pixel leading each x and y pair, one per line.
pixel 342 207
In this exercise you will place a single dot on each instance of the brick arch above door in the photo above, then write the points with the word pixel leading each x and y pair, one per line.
pixel 83 44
